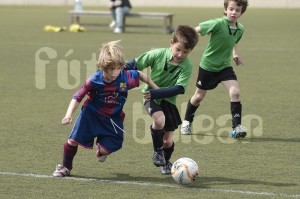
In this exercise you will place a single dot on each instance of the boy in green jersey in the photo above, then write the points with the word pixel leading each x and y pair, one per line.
pixel 215 65
pixel 171 71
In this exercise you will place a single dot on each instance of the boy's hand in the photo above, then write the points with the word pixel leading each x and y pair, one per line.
pixel 147 95
pixel 237 60
pixel 66 120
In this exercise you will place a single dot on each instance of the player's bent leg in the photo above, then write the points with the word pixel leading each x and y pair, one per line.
pixel 101 153
pixel 158 120
pixel 192 106
pixel 157 133
pixel 72 143
pixel 168 139
pixel 158 152
pixel 168 150
pixel 233 89
pixel 70 150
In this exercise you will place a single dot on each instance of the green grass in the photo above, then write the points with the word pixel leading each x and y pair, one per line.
pixel 263 165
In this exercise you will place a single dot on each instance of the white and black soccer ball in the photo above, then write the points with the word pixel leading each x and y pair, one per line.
pixel 185 171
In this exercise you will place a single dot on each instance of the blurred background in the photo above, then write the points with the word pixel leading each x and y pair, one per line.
pixel 167 3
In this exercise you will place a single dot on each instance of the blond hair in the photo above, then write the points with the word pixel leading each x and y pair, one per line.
pixel 111 55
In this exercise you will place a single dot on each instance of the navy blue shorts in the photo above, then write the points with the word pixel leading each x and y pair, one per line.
pixel 90 125
pixel 209 80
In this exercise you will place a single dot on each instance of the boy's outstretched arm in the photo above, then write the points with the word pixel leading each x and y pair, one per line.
pixel 71 109
pixel 131 65
pixel 166 92
pixel 236 58
pixel 144 78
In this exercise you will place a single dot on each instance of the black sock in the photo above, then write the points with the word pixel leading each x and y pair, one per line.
pixel 236 112
pixel 168 152
pixel 190 111
pixel 157 138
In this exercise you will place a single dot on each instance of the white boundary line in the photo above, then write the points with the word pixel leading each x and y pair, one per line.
pixel 154 185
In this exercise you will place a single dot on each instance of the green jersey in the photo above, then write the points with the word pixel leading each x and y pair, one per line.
pixel 217 55
pixel 163 72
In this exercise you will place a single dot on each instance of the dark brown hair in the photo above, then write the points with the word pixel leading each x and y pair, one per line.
pixel 243 3
pixel 187 35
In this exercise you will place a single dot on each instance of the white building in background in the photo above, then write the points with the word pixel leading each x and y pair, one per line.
pixel 161 3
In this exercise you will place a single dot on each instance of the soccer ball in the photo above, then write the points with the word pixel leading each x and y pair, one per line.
pixel 185 171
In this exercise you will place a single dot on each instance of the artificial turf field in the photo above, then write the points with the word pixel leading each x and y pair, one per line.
pixel 266 164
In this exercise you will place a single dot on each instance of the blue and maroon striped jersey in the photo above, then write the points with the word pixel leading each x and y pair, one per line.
pixel 108 99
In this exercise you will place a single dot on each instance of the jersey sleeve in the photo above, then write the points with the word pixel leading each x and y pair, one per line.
pixel 85 88
pixel 208 26
pixel 146 59
pixel 133 78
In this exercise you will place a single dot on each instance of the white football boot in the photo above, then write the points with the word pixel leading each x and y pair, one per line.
pixel 61 171
pixel 186 128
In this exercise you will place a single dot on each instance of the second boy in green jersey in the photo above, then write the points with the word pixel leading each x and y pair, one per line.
pixel 215 65
pixel 171 71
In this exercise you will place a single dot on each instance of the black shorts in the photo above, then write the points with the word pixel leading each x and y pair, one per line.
pixel 172 117
pixel 209 80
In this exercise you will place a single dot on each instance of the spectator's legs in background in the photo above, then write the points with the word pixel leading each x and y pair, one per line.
pixel 119 14
pixel 113 15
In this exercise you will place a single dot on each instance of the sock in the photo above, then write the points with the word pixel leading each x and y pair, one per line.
pixel 69 154
pixel 168 152
pixel 157 138
pixel 190 112
pixel 236 112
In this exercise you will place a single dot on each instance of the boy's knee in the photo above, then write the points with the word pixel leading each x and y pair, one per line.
pixel 197 98
pixel 104 151
pixel 234 93
pixel 168 139
pixel 159 122
pixel 72 143
pixel 168 143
